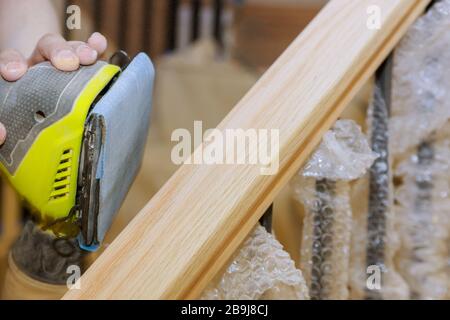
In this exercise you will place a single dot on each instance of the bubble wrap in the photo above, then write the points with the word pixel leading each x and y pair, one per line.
pixel 323 188
pixel 421 99
pixel 423 209
pixel 374 237
pixel 326 237
pixel 260 270
pixel 344 154
pixel 393 286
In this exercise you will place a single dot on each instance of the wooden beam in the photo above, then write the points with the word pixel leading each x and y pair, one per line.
pixel 192 226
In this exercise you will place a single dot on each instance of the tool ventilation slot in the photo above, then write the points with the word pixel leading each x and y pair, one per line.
pixel 62 178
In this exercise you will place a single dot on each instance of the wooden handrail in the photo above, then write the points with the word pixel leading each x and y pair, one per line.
pixel 191 227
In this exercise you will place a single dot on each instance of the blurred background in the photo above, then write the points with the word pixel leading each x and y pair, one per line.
pixel 207 54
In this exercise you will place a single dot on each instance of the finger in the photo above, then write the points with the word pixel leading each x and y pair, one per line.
pixel 12 65
pixel 98 42
pixel 2 133
pixel 85 53
pixel 53 47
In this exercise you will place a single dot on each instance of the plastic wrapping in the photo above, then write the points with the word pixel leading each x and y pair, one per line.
pixel 260 270
pixel 420 114
pixel 344 154
pixel 323 188
pixel 421 99
pixel 362 272
pixel 374 237
pixel 423 210
pixel 326 237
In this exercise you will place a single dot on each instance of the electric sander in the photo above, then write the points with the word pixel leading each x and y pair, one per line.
pixel 75 142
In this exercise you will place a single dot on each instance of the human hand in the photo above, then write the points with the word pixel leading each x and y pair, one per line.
pixel 64 55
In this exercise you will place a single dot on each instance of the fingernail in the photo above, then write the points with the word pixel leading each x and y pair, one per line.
pixel 2 133
pixel 66 55
pixel 96 35
pixel 99 41
pixel 12 71
pixel 14 67
pixel 87 51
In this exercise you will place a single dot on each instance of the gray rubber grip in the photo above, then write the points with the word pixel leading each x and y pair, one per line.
pixel 41 97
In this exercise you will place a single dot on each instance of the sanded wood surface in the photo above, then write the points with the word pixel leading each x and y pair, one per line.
pixel 19 286
pixel 191 227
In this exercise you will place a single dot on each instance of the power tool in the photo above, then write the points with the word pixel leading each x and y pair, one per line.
pixel 75 142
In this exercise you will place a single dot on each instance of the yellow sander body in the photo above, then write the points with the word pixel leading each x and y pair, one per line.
pixel 44 114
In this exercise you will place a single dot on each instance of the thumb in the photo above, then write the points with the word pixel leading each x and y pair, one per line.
pixel 2 133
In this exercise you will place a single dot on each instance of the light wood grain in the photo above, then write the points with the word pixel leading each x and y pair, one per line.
pixel 19 286
pixel 11 217
pixel 191 227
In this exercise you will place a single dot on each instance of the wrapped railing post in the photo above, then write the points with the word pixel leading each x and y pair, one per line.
pixel 421 81
pixel 420 115
pixel 375 240
pixel 423 210
pixel 260 270
pixel 323 188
